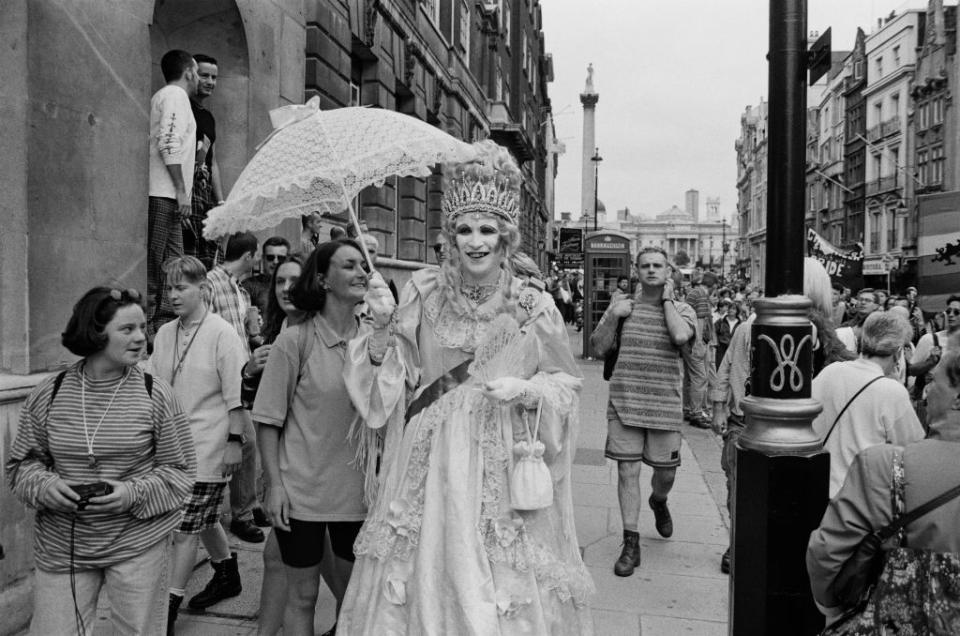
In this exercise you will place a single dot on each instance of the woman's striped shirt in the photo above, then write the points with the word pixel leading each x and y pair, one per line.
pixel 142 441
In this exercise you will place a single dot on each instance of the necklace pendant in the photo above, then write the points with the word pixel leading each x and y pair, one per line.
pixel 91 460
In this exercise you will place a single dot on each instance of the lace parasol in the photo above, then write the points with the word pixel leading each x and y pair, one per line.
pixel 320 160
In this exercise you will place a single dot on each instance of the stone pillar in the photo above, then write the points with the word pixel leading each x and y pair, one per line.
pixel 589 99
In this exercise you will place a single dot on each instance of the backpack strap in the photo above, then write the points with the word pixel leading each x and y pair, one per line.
pixel 304 344
pixel 57 383
pixel 847 405
pixel 148 382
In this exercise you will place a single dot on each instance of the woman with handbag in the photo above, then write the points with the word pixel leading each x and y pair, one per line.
pixel 472 381
pixel 916 590
pixel 861 406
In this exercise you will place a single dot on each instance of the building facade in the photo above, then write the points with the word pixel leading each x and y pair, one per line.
pixel 751 148
pixel 78 79
pixel 891 53
pixel 475 70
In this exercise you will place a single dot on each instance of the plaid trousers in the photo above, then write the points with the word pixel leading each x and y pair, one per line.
pixel 194 244
pixel 164 241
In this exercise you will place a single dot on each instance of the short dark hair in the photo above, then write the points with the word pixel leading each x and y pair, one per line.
pixel 174 63
pixel 84 333
pixel 708 278
pixel 308 294
pixel 953 299
pixel 275 241
pixel 239 244
pixel 204 59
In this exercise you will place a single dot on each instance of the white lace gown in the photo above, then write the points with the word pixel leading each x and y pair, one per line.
pixel 442 550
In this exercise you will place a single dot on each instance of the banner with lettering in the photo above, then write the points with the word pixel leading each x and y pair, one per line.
pixel 845 266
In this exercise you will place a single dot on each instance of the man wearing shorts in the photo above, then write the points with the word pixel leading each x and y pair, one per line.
pixel 645 409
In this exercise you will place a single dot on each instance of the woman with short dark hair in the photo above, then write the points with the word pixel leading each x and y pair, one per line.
pixel 307 429
pixel 102 426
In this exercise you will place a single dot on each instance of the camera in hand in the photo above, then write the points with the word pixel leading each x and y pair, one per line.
pixel 88 491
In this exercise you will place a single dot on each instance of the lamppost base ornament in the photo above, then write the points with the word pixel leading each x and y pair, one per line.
pixel 780 427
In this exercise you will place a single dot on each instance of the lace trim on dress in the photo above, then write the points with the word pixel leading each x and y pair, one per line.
pixel 453 328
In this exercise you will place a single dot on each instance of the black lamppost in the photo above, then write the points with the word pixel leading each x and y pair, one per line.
pixel 596 159
pixel 723 255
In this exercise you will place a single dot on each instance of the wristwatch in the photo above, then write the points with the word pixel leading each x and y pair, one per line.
pixel 236 437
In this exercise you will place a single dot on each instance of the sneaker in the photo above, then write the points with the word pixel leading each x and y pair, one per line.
pixel 661 515
pixel 246 531
pixel 630 555
pixel 260 518
pixel 224 584
pixel 725 562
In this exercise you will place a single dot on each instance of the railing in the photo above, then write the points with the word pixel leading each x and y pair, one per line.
pixel 882 184
pixel 873 133
pixel 890 127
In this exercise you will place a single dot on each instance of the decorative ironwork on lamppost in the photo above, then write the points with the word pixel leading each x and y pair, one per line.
pixel 780 488
pixel 596 159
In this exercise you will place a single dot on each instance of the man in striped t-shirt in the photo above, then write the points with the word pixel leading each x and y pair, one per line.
pixel 645 409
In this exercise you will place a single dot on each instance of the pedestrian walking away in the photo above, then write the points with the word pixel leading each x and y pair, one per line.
pixel 645 408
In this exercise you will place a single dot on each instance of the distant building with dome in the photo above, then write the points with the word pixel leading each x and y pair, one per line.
pixel 676 230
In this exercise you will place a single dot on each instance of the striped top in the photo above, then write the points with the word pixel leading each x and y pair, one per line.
pixel 646 383
pixel 143 442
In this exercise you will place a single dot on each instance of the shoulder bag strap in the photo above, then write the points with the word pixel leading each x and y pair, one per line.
pixel 847 405
pixel 888 531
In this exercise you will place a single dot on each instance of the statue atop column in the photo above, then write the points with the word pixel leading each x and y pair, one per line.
pixel 588 89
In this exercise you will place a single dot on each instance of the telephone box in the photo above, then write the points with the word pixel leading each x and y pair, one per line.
pixel 606 258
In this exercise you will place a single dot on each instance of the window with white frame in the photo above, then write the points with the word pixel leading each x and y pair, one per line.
pixel 858 69
pixel 936 164
pixel 879 66
pixel 896 56
pixel 892 243
pixel 938 110
pixel 923 167
pixel 524 54
pixel 923 116
pixel 464 36
pixel 432 8
pixel 875 231
pixel 505 20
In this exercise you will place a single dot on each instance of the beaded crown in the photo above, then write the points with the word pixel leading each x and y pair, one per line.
pixel 492 196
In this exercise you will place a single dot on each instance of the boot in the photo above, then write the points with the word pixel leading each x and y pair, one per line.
pixel 172 610
pixel 630 556
pixel 224 584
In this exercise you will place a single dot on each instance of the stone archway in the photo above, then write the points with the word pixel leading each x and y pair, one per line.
pixel 216 28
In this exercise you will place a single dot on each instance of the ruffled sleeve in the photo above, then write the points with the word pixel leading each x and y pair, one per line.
pixel 379 391
pixel 557 380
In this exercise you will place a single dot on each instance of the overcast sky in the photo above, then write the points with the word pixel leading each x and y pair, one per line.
pixel 673 76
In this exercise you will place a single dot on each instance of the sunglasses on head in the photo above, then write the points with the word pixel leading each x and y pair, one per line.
pixel 130 295
pixel 280 258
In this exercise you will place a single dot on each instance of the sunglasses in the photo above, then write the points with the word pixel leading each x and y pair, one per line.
pixel 953 311
pixel 129 295
pixel 280 258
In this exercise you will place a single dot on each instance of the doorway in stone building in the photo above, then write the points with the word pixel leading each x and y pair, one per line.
pixel 214 28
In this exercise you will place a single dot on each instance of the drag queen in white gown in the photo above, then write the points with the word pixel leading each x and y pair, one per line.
pixel 452 380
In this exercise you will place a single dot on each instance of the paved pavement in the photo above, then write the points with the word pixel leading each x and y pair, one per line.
pixel 678 588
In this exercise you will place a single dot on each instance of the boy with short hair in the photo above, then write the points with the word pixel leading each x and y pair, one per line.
pixel 201 355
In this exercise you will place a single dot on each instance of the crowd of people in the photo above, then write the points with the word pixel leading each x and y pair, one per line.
pixel 413 450
pixel 382 436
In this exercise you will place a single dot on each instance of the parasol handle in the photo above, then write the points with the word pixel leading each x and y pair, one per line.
pixel 356 226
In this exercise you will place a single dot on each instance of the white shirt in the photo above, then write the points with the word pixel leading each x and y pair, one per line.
pixel 882 414
pixel 173 140
pixel 207 385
